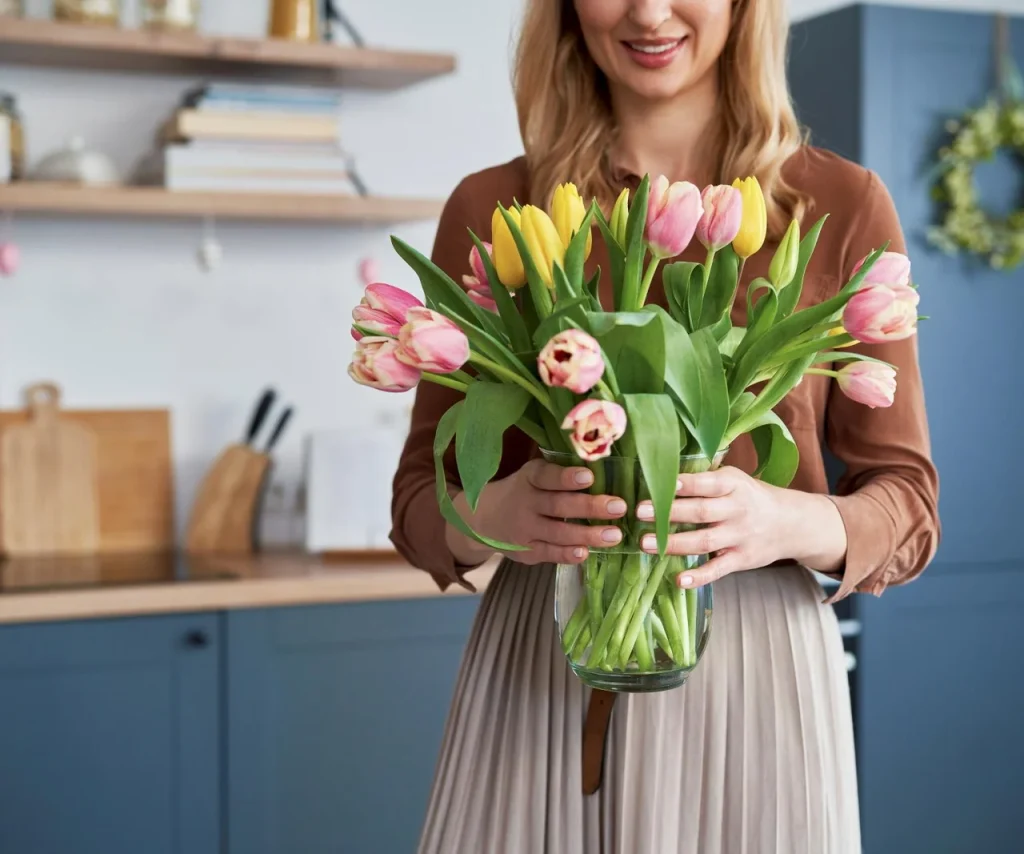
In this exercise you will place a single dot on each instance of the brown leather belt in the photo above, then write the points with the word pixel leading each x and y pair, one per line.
pixel 595 738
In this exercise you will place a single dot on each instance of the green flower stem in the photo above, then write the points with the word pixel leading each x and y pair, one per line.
pixel 613 567
pixel 822 372
pixel 611 616
pixel 670 619
pixel 658 630
pixel 510 375
pixel 645 285
pixel 636 623
pixel 685 631
pixel 644 653
pixel 448 382
pixel 581 645
pixel 594 580
pixel 573 629
pixel 691 614
pixel 636 582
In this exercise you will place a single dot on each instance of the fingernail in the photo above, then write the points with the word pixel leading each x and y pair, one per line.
pixel 645 511
pixel 649 543
pixel 584 477
pixel 686 581
pixel 679 484
pixel 611 535
pixel 616 507
pixel 579 552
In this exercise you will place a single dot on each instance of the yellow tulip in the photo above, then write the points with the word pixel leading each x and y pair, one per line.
pixel 504 252
pixel 755 218
pixel 840 331
pixel 620 216
pixel 542 240
pixel 567 213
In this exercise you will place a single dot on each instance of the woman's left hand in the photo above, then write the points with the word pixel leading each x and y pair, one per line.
pixel 747 524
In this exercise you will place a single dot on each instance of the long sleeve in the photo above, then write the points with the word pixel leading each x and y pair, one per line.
pixel 888 494
pixel 418 529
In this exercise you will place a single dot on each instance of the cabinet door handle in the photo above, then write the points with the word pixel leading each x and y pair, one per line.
pixel 197 639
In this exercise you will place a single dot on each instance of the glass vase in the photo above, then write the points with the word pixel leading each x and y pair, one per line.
pixel 623 621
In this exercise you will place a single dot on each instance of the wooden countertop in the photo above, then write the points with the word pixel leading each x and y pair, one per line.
pixel 68 588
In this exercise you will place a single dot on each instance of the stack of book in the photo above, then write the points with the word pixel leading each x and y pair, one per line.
pixel 259 139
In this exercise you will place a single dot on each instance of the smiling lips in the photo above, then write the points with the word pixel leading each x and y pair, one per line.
pixel 654 53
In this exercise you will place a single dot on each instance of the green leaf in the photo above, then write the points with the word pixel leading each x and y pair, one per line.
pixel 593 290
pixel 676 280
pixel 634 346
pixel 721 289
pixel 616 258
pixel 790 295
pixel 635 247
pixel 439 289
pixel 507 310
pixel 563 290
pixel 777 453
pixel 655 430
pixel 713 420
pixel 728 345
pixel 695 297
pixel 574 253
pixel 565 316
pixel 488 411
pixel 442 439
pixel 682 368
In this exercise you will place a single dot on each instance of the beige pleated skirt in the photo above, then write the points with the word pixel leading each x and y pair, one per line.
pixel 753 755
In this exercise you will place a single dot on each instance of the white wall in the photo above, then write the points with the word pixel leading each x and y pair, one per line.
pixel 119 314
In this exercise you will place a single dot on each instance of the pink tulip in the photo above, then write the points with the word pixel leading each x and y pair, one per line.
pixel 595 426
pixel 390 300
pixel 572 360
pixel 477 288
pixel 880 313
pixel 431 342
pixel 376 364
pixel 723 214
pixel 372 321
pixel 369 271
pixel 673 211
pixel 891 268
pixel 870 383
pixel 10 258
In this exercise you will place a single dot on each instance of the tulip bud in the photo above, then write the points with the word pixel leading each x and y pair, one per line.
pixel 389 299
pixel 371 321
pixel 572 360
pixel 723 213
pixel 595 426
pixel 620 217
pixel 485 301
pixel 542 241
pixel 431 342
pixel 891 268
pixel 754 224
pixel 568 213
pixel 783 266
pixel 477 287
pixel 375 364
pixel 507 263
pixel 880 313
pixel 870 383
pixel 673 211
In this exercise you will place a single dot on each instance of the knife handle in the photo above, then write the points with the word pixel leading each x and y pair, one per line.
pixel 278 429
pixel 260 413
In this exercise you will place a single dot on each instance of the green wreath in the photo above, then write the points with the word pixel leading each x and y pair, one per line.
pixel 966 226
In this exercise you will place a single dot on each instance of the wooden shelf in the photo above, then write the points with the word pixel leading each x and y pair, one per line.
pixel 43 198
pixel 41 42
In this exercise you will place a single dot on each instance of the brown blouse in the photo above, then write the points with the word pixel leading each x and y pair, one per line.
pixel 887 496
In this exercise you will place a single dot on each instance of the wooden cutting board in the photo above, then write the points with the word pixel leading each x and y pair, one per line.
pixel 135 487
pixel 50 499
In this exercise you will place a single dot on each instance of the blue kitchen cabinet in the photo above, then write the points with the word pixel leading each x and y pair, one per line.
pixel 109 737
pixel 334 716
pixel 939 698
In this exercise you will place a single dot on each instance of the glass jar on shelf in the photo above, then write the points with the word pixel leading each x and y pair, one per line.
pixel 88 11
pixel 13 141
pixel 170 14
pixel 12 8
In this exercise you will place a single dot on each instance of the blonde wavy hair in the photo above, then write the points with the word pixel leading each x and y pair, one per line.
pixel 566 122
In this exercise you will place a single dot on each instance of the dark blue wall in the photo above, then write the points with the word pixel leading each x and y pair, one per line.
pixel 940 702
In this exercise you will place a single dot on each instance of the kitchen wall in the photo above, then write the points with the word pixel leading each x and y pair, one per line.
pixel 118 312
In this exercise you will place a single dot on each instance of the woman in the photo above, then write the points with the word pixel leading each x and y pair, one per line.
pixel 755 753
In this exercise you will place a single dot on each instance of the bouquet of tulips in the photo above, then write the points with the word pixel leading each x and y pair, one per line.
pixel 526 340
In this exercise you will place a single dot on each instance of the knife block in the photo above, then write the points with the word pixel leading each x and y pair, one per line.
pixel 225 513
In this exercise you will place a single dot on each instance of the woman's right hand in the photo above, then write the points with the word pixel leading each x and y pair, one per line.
pixel 529 507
